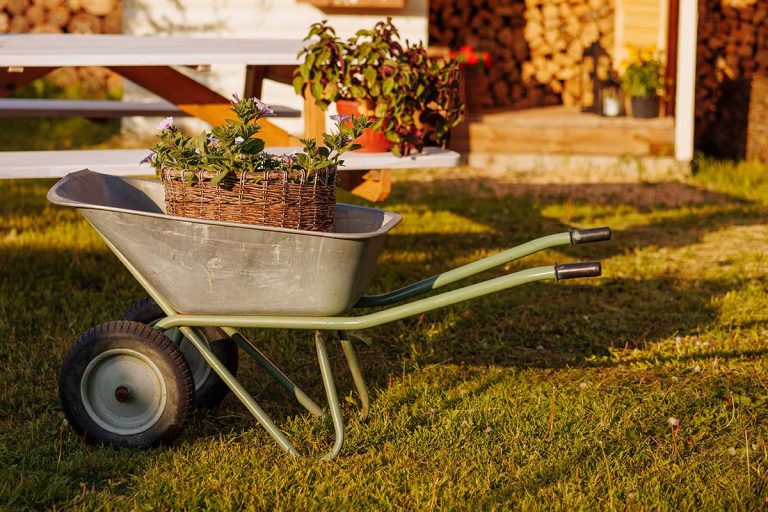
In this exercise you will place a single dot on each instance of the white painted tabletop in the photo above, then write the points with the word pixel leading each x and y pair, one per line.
pixel 45 50
pixel 125 162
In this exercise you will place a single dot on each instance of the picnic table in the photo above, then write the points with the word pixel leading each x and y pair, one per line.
pixel 152 62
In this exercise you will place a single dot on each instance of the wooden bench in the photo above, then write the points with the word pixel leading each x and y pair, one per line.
pixel 102 109
pixel 125 162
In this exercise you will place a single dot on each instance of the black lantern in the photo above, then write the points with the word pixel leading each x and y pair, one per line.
pixel 593 60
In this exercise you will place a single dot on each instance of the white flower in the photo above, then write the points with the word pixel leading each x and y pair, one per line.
pixel 697 368
pixel 673 422
pixel 165 124
pixel 239 140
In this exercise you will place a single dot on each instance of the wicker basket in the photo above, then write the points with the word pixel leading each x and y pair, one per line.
pixel 268 198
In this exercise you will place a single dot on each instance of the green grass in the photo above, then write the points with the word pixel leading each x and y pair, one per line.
pixel 550 396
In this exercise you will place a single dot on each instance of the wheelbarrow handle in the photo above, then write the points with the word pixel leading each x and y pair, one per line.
pixel 576 270
pixel 572 237
pixel 587 236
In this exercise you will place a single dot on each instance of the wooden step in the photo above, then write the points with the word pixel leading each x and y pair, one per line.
pixel 561 130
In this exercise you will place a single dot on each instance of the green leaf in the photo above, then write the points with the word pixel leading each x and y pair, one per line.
pixel 381 109
pixel 304 70
pixel 317 90
pixel 298 85
pixel 220 176
pixel 388 85
pixel 370 76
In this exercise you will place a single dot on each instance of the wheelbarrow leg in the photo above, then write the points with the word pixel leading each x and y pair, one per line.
pixel 330 392
pixel 357 375
pixel 239 391
pixel 274 371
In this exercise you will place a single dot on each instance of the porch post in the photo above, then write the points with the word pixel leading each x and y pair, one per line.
pixel 685 90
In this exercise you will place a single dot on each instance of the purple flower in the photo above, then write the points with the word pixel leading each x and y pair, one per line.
pixel 341 118
pixel 287 160
pixel 213 142
pixel 264 109
pixel 239 140
pixel 147 159
pixel 235 98
pixel 165 124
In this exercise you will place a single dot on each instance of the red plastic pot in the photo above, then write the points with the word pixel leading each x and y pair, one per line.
pixel 372 141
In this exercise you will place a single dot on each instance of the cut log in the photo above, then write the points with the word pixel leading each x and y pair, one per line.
pixel 17 7
pixel 82 23
pixel 98 7
pixel 59 16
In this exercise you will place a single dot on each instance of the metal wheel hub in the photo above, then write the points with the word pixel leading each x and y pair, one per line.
pixel 123 391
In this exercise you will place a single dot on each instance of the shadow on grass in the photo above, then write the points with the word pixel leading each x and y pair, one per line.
pixel 514 212
pixel 51 295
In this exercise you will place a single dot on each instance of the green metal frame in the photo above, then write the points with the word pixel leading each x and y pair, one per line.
pixel 341 324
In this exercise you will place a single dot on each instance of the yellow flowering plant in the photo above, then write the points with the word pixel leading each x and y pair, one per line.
pixel 643 72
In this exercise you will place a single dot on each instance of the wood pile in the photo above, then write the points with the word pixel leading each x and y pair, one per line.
pixel 732 50
pixel 536 46
pixel 71 17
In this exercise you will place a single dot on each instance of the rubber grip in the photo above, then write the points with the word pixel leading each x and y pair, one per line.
pixel 576 270
pixel 587 236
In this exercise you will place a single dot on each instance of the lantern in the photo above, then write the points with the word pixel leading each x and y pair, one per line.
pixel 594 62
pixel 612 97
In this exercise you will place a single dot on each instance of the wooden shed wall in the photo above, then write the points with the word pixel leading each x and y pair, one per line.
pixel 640 23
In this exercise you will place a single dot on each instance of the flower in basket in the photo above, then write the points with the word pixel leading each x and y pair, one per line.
pixel 226 174
pixel 471 59
pixel 392 83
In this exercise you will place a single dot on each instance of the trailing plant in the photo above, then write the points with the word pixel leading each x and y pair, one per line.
pixel 233 148
pixel 412 99
pixel 643 73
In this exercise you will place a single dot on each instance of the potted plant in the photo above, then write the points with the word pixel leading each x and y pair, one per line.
pixel 394 85
pixel 226 175
pixel 642 81
pixel 473 63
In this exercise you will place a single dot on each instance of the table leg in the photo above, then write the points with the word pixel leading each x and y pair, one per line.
pixel 11 82
pixel 195 98
pixel 374 185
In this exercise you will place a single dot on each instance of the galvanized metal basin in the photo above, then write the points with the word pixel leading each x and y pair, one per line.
pixel 209 267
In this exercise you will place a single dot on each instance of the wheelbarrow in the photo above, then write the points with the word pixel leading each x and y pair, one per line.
pixel 135 382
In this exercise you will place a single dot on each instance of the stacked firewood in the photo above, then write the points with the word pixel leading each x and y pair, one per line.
pixel 536 46
pixel 72 17
pixel 57 16
pixel 732 49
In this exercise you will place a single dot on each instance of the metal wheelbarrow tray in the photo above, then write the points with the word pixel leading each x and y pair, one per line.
pixel 133 383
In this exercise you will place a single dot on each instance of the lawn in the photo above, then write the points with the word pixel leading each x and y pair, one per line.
pixel 548 396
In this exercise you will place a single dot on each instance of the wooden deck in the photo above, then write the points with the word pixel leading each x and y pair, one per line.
pixel 567 131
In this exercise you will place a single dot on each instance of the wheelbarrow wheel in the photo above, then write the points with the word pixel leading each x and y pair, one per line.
pixel 126 385
pixel 210 390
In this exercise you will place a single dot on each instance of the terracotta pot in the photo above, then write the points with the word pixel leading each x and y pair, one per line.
pixel 372 141
pixel 645 108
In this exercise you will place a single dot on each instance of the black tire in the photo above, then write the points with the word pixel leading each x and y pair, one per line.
pixel 126 385
pixel 210 390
